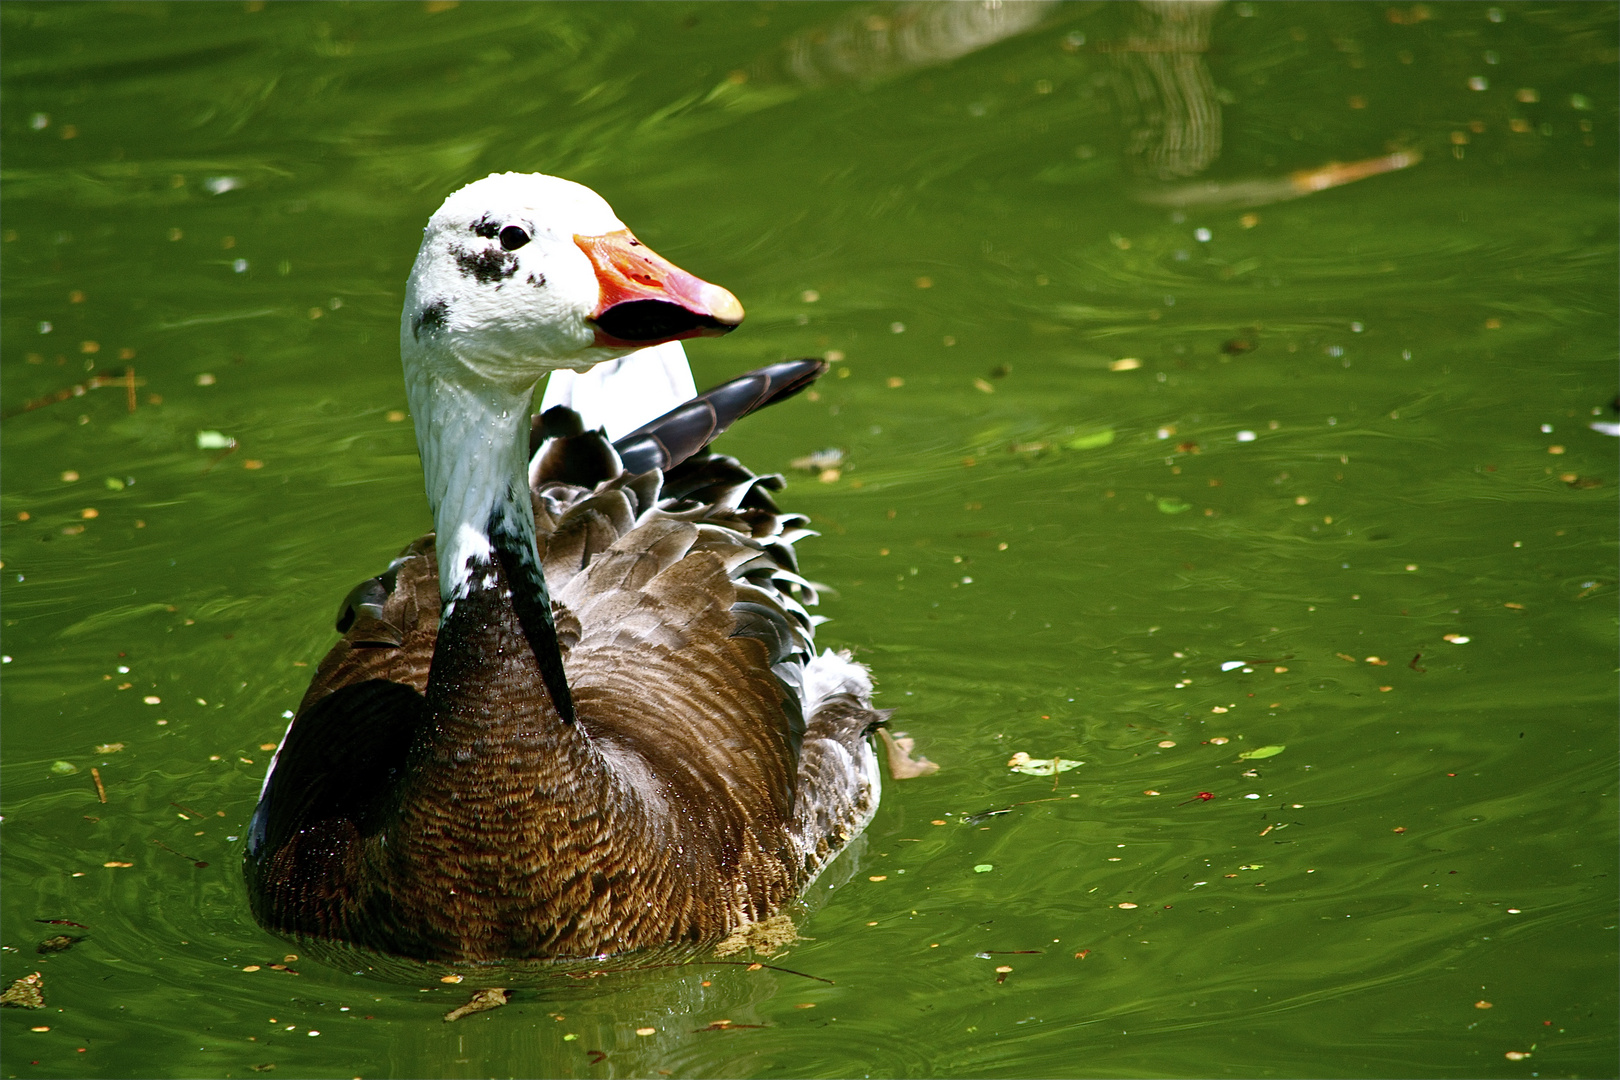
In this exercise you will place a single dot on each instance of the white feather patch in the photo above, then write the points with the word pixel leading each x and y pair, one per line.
pixel 621 395
pixel 834 673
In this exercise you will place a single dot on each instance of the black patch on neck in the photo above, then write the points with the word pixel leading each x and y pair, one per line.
pixel 486 228
pixel 488 267
pixel 532 603
pixel 431 318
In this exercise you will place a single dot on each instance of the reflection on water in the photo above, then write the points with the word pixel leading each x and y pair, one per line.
pixel 1103 429
pixel 1166 94
pixel 888 41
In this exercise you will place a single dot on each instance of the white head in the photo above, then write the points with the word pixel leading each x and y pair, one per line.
pixel 520 274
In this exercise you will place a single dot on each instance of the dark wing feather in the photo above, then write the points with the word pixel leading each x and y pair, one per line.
pixel 333 786
pixel 678 434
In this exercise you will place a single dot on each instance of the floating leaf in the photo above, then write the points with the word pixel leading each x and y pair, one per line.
pixel 64 768
pixel 1262 752
pixel 983 868
pixel 214 440
pixel 1090 440
pixel 1173 506
pixel 1031 766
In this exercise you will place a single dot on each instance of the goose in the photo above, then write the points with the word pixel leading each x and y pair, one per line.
pixel 585 715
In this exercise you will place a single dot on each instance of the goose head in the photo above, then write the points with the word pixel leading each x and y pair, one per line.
pixel 519 275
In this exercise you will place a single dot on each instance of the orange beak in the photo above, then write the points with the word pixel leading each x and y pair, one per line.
pixel 648 300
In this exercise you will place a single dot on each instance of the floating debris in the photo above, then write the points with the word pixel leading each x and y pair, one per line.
pixel 1259 191
pixel 482 1001
pixel 1090 440
pixel 816 461
pixel 1032 766
pixel 27 992
pixel 127 380
pixel 766 937
pixel 902 766
pixel 214 440
pixel 59 943
pixel 198 863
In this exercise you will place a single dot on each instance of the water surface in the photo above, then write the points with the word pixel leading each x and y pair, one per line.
pixel 1148 465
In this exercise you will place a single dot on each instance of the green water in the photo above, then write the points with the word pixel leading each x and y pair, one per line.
pixel 1031 548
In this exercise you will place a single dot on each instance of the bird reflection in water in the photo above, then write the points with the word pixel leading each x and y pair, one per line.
pixel 1169 106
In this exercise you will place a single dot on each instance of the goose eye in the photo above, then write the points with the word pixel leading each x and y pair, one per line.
pixel 513 238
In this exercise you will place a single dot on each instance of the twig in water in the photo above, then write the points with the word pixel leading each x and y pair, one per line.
pixel 198 863
pixel 974 819
pixel 95 382
pixel 221 456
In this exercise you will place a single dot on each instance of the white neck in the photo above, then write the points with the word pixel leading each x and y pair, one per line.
pixel 474 442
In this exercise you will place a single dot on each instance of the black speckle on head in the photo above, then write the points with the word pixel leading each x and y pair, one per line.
pixel 486 228
pixel 430 318
pixel 538 280
pixel 488 267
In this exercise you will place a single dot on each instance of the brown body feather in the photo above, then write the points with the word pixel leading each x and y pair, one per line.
pixel 429 801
